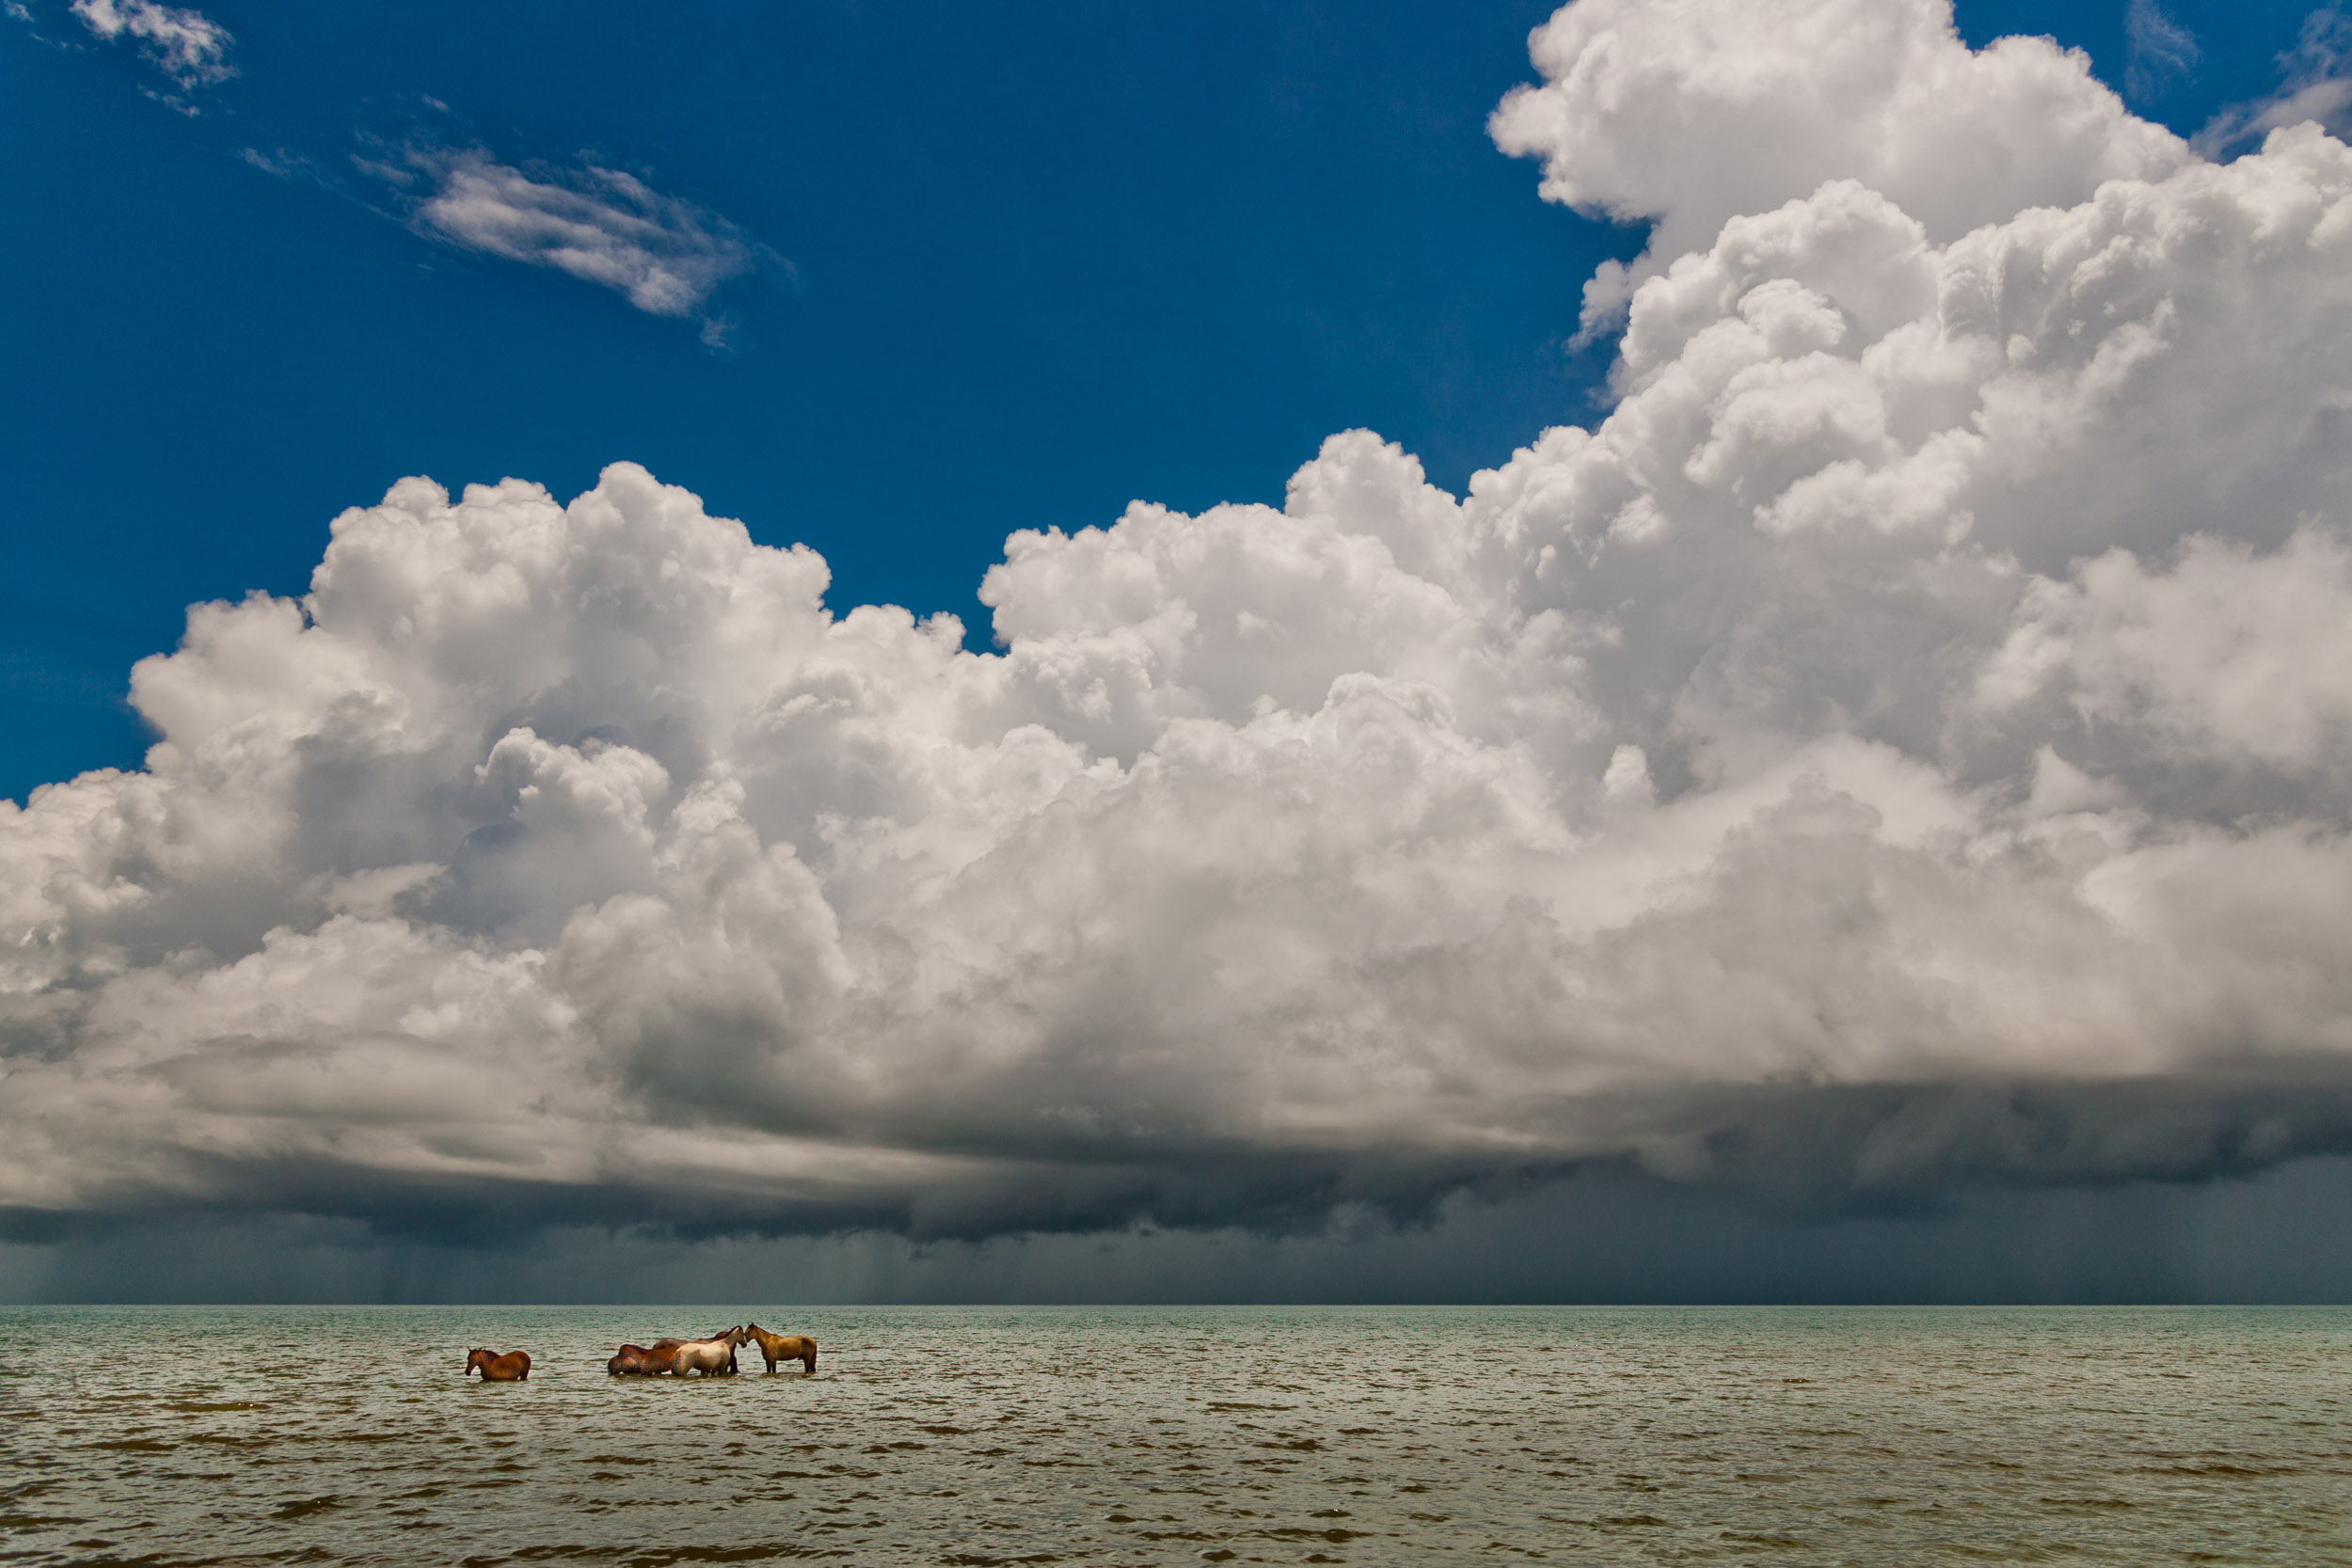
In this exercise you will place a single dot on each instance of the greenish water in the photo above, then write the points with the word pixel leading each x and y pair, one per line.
pixel 1180 1436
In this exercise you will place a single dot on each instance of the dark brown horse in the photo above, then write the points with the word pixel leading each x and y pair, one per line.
pixel 784 1347
pixel 514 1367
pixel 643 1360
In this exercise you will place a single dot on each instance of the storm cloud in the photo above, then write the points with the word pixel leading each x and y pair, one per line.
pixel 1901 750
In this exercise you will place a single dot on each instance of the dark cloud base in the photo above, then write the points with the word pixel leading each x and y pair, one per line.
pixel 1602 1236
pixel 1798 1155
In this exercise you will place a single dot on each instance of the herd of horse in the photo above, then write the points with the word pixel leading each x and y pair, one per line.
pixel 710 1357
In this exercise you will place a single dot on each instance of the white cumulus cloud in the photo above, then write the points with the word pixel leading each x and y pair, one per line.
pixel 1905 743
pixel 1690 112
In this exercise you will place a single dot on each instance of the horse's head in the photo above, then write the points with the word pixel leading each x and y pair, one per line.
pixel 477 1357
pixel 738 1336
pixel 753 1331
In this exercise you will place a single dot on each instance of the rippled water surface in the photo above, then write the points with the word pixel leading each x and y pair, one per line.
pixel 1150 1435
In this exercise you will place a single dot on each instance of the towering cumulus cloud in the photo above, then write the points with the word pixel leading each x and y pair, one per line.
pixel 1907 742
pixel 1691 112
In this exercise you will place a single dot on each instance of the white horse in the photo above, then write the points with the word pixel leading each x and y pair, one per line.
pixel 709 1356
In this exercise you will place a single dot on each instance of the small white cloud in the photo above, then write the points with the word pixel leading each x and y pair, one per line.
pixel 187 46
pixel 603 226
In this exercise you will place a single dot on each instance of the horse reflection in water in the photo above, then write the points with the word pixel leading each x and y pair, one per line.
pixel 784 1347
pixel 513 1366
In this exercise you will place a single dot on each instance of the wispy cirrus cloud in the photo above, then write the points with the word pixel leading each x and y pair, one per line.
pixel 663 254
pixel 185 46
pixel 280 164
pixel 2314 84
pixel 2158 51
pixel 601 224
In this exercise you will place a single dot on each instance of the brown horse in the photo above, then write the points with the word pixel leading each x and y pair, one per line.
pixel 784 1347
pixel 657 1359
pixel 514 1367
pixel 642 1360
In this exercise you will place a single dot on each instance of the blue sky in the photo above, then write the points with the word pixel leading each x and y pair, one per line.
pixel 1032 265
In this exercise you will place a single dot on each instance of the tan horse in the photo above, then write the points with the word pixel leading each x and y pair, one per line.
pixel 514 1367
pixel 710 1357
pixel 784 1347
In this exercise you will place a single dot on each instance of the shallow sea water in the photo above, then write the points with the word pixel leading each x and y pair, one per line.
pixel 1180 1435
